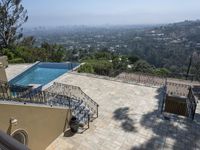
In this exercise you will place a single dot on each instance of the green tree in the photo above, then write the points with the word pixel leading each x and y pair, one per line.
pixel 86 68
pixel 132 59
pixel 197 72
pixel 102 67
pixel 161 72
pixel 143 66
pixel 12 16
pixel 28 41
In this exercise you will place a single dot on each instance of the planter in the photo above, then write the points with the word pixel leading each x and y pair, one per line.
pixel 74 124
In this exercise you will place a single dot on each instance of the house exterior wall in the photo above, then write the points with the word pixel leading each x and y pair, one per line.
pixel 2 73
pixel 4 61
pixel 42 124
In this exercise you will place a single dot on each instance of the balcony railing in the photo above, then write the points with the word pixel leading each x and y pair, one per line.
pixel 145 79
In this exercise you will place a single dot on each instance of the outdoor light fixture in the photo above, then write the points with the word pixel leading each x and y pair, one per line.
pixel 13 121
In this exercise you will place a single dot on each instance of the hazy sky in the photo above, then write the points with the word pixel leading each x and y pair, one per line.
pixel 113 12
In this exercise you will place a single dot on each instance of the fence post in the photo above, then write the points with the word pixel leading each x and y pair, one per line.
pixel 69 102
pixel 97 111
pixel 139 78
pixel 88 121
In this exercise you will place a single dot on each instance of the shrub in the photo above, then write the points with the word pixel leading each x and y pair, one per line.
pixel 16 60
pixel 162 72
pixel 86 68
pixel 143 67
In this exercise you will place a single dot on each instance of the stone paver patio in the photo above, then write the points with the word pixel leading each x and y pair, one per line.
pixel 129 119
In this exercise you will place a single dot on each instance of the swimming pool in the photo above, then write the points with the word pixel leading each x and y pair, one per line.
pixel 42 73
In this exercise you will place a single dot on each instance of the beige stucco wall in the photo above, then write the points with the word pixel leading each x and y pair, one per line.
pixel 43 124
pixel 4 61
pixel 2 73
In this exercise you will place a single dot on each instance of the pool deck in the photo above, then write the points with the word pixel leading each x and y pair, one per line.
pixel 129 119
pixel 15 69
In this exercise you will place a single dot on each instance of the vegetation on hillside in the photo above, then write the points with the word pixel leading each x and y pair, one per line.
pixel 109 64
pixel 160 51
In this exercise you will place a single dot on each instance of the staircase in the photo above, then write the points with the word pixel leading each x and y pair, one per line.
pixel 82 106
pixel 60 95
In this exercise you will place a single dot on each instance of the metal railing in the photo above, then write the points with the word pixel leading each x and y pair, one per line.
pixel 196 91
pixel 142 78
pixel 191 103
pixel 130 78
pixel 74 92
pixel 177 89
pixel 13 91
pixel 164 92
pixel 57 100
pixel 60 95
pixel 9 143
pixel 181 90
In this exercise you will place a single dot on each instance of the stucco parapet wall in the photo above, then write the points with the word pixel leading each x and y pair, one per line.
pixel 4 102
pixel 4 61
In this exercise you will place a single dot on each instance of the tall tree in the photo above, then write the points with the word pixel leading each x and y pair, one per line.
pixel 12 16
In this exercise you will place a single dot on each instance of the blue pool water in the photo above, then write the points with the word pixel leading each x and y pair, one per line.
pixel 42 73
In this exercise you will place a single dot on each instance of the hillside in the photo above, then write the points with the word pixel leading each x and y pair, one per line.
pixel 169 46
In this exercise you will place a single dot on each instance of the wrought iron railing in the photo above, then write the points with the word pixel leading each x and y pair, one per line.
pixel 74 92
pixel 177 89
pixel 164 92
pixel 196 91
pixel 8 91
pixel 131 78
pixel 191 103
pixel 60 95
pixel 79 111
pixel 145 79
pixel 182 90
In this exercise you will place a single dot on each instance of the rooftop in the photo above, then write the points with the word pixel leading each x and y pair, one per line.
pixel 129 118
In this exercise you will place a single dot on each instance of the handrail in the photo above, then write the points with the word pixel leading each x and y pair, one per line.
pixel 76 93
pixel 60 97
pixel 9 143
pixel 191 103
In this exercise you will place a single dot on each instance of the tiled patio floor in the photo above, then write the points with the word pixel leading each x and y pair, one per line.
pixel 129 119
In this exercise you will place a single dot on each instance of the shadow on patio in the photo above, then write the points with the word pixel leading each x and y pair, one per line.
pixel 169 134
pixel 122 115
